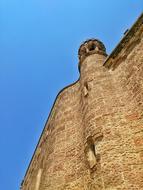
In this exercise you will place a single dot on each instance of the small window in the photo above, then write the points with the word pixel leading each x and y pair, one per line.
pixel 92 47
pixel 91 153
pixel 38 179
pixel 91 156
pixel 85 89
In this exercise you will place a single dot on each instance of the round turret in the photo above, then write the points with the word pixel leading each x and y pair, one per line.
pixel 89 47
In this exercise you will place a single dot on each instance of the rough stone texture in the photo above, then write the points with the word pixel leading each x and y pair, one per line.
pixel 93 139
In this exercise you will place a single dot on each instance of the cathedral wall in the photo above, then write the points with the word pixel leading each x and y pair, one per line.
pixel 129 79
pixel 98 106
pixel 58 159
pixel 93 139
pixel 101 111
pixel 66 164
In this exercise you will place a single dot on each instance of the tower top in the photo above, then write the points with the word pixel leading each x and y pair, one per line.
pixel 89 47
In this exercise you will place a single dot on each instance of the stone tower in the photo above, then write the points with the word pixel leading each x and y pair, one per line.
pixel 93 138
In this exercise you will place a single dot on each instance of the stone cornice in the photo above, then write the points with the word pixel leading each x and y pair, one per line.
pixel 125 46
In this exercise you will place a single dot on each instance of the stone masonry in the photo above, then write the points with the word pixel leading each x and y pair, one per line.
pixel 93 138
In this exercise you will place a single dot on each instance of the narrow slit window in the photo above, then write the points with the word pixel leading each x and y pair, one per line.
pixel 86 89
pixel 91 156
pixel 91 153
pixel 38 179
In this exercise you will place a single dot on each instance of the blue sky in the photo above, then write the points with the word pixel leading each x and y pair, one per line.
pixel 39 40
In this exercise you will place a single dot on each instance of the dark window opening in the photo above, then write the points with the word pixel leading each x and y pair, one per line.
pixel 92 47
pixel 92 148
pixel 86 85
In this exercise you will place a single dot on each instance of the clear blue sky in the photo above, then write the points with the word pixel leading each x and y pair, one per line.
pixel 39 40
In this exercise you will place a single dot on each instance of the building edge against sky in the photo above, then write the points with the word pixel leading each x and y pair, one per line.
pixel 93 136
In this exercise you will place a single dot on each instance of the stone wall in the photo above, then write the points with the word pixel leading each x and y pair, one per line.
pixel 93 139
pixel 129 79
pixel 60 148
